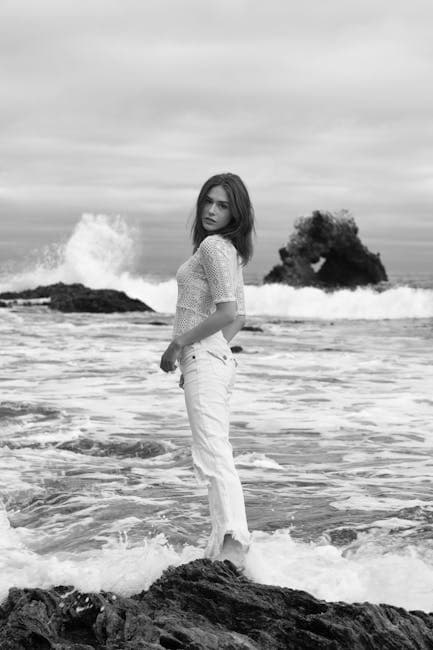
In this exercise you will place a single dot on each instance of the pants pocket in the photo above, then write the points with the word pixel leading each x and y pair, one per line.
pixel 225 358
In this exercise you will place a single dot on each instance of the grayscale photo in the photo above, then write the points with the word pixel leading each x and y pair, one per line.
pixel 216 325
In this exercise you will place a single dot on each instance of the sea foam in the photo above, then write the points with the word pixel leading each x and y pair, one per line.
pixel 101 251
pixel 325 571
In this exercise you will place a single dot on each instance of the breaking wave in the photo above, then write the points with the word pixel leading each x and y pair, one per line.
pixel 101 251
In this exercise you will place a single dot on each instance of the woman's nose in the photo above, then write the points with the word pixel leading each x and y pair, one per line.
pixel 212 208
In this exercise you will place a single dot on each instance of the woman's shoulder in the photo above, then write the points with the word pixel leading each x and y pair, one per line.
pixel 216 242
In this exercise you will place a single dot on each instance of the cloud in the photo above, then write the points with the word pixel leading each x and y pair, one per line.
pixel 130 104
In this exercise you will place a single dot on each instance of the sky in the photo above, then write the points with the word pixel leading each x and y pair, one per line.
pixel 128 106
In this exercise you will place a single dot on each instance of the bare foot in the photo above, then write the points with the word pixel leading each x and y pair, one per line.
pixel 232 550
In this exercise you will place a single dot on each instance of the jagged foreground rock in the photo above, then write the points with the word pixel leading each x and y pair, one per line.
pixel 332 239
pixel 78 298
pixel 204 606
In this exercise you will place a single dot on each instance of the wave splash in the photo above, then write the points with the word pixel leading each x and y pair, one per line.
pixel 101 254
pixel 401 579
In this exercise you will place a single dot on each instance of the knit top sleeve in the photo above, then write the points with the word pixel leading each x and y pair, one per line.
pixel 218 259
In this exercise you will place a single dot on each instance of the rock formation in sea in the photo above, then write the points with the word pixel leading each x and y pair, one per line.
pixel 204 605
pixel 333 240
pixel 77 297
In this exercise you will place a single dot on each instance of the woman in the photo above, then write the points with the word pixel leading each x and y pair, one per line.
pixel 210 310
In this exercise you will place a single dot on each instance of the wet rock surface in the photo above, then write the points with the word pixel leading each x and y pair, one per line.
pixel 333 241
pixel 251 328
pixel 204 606
pixel 78 298
pixel 91 447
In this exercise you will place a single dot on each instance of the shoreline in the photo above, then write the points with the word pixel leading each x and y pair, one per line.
pixel 204 605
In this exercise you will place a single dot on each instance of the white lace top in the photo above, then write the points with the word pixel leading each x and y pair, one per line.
pixel 213 274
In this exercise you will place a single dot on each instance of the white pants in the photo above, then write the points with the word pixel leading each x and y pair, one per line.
pixel 209 371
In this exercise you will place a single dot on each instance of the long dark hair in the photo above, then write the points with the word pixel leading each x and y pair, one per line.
pixel 240 229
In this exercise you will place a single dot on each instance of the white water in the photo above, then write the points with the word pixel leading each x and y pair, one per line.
pixel 331 430
pixel 101 251
pixel 401 579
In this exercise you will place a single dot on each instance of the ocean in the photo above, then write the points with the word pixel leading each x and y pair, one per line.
pixel 331 430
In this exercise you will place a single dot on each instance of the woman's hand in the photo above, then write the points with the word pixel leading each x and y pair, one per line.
pixel 170 356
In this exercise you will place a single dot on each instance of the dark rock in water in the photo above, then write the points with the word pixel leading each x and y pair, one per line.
pixel 287 322
pixel 47 291
pixel 2 304
pixel 236 349
pixel 144 449
pixel 332 240
pixel 78 298
pixel 156 322
pixel 342 536
pixel 251 328
pixel 204 605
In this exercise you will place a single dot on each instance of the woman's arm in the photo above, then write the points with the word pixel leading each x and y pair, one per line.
pixel 224 316
pixel 233 328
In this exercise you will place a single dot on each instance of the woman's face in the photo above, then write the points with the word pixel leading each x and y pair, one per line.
pixel 216 210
